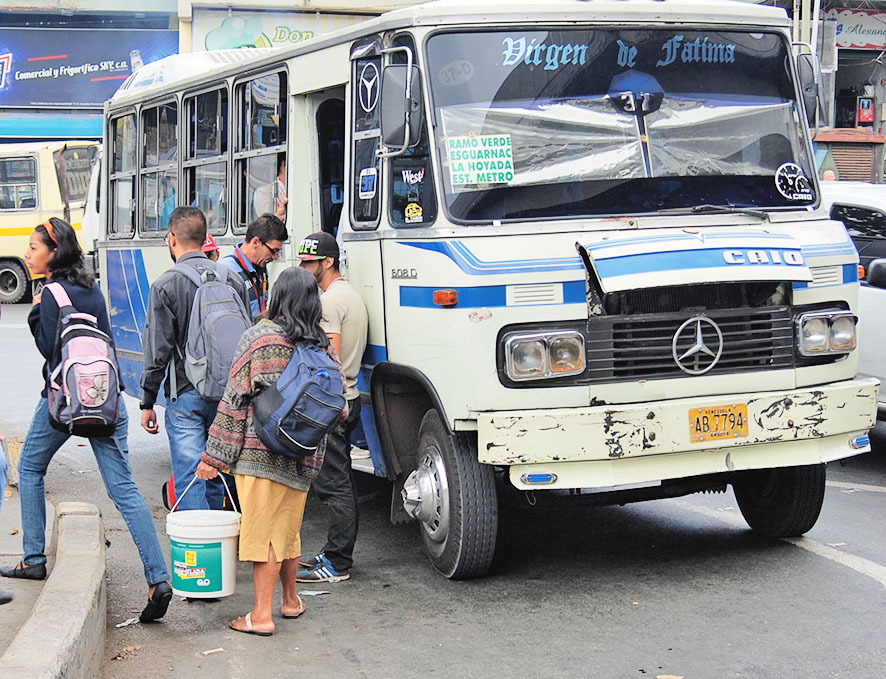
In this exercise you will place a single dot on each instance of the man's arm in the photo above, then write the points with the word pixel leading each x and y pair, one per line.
pixel 159 344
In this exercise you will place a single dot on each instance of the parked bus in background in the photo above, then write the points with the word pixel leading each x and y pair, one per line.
pixel 39 181
pixel 587 236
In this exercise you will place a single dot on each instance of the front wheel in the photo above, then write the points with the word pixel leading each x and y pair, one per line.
pixel 781 503
pixel 453 497
pixel 14 281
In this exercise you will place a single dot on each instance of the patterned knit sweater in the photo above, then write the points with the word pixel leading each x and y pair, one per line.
pixel 262 354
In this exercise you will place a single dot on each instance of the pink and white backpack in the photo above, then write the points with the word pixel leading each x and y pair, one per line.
pixel 84 382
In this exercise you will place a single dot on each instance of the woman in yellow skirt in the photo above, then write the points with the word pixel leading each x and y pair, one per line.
pixel 272 488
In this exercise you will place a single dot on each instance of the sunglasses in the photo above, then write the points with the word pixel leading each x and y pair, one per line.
pixel 273 251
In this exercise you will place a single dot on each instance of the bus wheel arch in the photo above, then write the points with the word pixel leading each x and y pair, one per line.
pixel 446 489
pixel 14 281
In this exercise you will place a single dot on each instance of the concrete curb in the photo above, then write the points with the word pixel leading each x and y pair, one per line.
pixel 65 635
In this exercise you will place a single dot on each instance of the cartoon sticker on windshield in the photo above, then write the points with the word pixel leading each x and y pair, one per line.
pixel 791 182
pixel 480 159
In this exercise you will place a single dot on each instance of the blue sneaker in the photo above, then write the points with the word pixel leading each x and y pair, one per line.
pixel 309 562
pixel 322 572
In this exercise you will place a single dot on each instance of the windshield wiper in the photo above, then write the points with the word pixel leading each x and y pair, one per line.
pixel 731 209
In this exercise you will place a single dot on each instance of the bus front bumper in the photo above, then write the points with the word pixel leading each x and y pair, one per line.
pixel 605 446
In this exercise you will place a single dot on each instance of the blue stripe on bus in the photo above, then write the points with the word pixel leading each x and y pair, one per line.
pixel 468 262
pixel 574 292
pixel 850 275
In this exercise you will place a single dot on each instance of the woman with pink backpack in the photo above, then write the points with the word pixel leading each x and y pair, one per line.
pixel 53 251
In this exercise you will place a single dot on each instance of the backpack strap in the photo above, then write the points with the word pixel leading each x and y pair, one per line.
pixel 59 293
pixel 189 272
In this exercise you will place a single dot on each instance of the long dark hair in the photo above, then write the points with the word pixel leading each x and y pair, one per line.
pixel 295 305
pixel 67 263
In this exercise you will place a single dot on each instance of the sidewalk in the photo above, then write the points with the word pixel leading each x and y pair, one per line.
pixel 55 629
pixel 16 613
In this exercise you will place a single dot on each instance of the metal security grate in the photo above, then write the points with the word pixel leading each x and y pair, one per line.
pixel 640 347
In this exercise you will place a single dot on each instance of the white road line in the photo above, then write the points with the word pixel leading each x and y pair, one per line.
pixel 856 563
pixel 857 486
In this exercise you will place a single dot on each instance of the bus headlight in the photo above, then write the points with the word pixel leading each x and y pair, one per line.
pixel 826 332
pixel 544 355
pixel 843 333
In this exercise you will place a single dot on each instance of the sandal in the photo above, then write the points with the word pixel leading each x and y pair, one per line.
pixel 249 628
pixel 301 609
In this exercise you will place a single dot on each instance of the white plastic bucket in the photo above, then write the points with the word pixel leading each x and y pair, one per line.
pixel 203 543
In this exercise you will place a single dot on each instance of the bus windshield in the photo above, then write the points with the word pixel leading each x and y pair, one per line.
pixel 568 122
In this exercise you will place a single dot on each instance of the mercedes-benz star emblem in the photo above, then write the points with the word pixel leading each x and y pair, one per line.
pixel 697 345
pixel 369 87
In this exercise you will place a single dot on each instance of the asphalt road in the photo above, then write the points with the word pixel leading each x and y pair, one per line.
pixel 673 588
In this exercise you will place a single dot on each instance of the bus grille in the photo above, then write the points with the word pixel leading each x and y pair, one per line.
pixel 640 347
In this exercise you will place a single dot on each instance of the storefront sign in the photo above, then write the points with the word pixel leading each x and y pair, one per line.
pixel 859 29
pixel 50 68
pixel 217 29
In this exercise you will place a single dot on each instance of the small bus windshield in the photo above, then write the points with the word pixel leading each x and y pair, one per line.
pixel 567 122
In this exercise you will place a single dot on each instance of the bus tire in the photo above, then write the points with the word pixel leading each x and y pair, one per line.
pixel 781 503
pixel 458 531
pixel 14 281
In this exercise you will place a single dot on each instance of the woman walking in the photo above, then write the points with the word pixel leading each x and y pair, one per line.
pixel 53 251
pixel 272 488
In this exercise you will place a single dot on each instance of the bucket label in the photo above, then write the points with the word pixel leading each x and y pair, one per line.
pixel 196 566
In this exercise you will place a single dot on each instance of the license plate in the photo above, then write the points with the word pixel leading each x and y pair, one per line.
pixel 718 422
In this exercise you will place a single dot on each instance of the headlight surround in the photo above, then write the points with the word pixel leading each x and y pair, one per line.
pixel 826 332
pixel 530 356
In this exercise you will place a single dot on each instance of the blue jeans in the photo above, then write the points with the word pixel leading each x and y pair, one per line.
pixel 112 455
pixel 187 424
pixel 2 477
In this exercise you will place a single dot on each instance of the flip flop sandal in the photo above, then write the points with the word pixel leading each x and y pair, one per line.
pixel 301 609
pixel 249 629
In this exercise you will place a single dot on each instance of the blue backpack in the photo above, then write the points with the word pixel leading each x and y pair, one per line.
pixel 292 416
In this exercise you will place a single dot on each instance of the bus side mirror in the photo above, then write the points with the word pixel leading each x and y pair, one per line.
pixel 876 273
pixel 807 70
pixel 401 105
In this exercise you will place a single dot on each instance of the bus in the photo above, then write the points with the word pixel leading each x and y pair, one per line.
pixel 587 235
pixel 38 181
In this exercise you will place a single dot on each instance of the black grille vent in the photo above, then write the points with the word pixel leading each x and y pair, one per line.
pixel 640 347
pixel 683 297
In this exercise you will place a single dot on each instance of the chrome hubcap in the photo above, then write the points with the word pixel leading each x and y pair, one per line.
pixel 426 495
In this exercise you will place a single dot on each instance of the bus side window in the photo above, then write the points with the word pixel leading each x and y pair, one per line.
pixel 366 135
pixel 206 164
pixel 259 147
pixel 159 171
pixel 18 184
pixel 122 170
pixel 413 202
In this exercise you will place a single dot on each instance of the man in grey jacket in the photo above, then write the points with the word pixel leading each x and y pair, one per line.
pixel 188 414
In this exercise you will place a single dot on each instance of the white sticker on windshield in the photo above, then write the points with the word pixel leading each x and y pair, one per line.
pixel 480 159
pixel 791 182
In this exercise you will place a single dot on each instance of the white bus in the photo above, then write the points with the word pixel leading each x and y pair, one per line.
pixel 587 235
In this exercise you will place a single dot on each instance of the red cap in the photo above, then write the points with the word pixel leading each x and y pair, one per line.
pixel 209 245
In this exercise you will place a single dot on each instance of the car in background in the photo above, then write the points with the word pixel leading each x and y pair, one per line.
pixel 861 206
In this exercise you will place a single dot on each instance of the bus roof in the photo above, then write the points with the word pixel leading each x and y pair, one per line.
pixel 176 71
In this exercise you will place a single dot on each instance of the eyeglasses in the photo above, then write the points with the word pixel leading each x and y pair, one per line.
pixel 166 237
pixel 273 251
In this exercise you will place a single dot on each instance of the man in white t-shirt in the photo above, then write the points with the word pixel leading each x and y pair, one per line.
pixel 346 322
